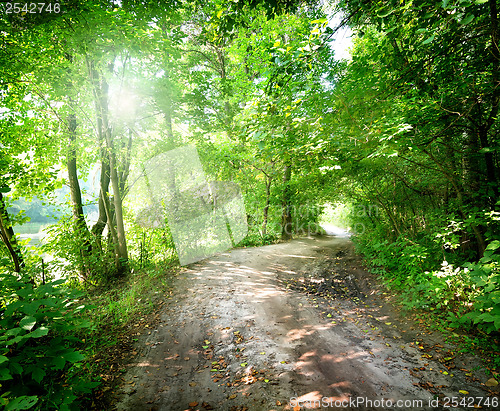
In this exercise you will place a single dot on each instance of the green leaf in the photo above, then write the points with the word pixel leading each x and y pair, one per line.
pixel 73 356
pixel 15 368
pixel 319 21
pixel 467 19
pixel 15 340
pixel 385 13
pixel 5 374
pixel 429 40
pixel 13 331
pixel 38 374
pixel 3 359
pixel 31 308
pixel 58 363
pixel 497 323
pixel 27 323
pixel 493 245
pixel 22 403
pixel 39 332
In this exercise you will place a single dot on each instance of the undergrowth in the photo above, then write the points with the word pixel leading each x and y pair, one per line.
pixel 59 341
pixel 117 306
pixel 461 301
pixel 41 358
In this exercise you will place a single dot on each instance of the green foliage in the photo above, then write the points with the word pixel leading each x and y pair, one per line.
pixel 40 328
pixel 254 237
pixel 406 133
pixel 152 246
pixel 485 279
pixel 466 296
pixel 65 242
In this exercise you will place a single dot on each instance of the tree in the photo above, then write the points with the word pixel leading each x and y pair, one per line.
pixel 429 74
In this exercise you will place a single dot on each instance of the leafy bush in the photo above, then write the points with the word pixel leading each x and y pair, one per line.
pixel 150 246
pixel 485 277
pixel 65 243
pixel 39 328
pixel 470 295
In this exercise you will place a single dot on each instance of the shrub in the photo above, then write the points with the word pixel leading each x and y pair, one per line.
pixel 485 277
pixel 39 330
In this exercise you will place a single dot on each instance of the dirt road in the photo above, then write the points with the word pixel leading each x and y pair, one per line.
pixel 291 326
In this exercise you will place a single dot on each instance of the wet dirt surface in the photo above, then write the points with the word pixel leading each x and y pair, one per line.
pixel 296 326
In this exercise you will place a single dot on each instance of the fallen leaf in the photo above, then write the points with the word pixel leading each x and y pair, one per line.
pixel 232 396
pixel 192 384
pixel 463 392
pixel 193 404
pixel 491 383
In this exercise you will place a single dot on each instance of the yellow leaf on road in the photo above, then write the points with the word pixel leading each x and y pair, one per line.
pixel 491 383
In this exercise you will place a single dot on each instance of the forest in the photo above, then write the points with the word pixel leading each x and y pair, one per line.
pixel 399 143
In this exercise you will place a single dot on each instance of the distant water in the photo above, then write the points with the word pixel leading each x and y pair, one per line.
pixel 25 232
pixel 35 239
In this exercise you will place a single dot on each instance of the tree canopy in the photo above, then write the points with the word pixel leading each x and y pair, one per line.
pixel 404 133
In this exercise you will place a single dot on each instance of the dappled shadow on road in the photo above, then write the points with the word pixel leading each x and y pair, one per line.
pixel 255 328
pixel 332 354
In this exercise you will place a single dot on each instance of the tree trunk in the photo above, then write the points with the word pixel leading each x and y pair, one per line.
pixel 119 237
pixel 125 165
pixel 286 229
pixel 81 229
pixel 120 227
pixel 480 241
pixel 105 134
pixel 266 207
pixel 167 111
pixel 100 224
pixel 471 165
pixel 9 238
pixel 489 161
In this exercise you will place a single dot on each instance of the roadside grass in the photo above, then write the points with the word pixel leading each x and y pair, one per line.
pixel 120 312
pixel 467 340
pixel 443 319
